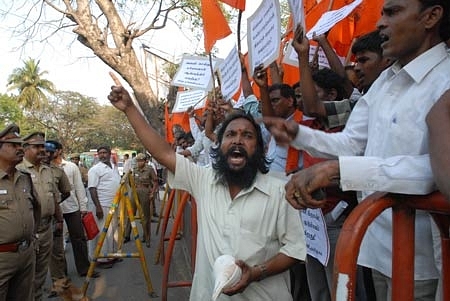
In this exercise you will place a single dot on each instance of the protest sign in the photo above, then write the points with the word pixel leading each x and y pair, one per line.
pixel 230 74
pixel 195 73
pixel 329 19
pixel 186 99
pixel 316 236
pixel 263 38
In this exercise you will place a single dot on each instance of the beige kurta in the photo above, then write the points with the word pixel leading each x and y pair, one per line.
pixel 255 226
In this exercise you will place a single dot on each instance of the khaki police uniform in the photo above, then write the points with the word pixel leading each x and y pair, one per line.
pixel 42 178
pixel 58 264
pixel 19 208
pixel 144 179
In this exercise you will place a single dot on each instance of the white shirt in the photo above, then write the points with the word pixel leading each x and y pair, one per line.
pixel 195 130
pixel 77 199
pixel 106 180
pixel 126 166
pixel 278 153
pixel 384 147
pixel 200 150
pixel 255 226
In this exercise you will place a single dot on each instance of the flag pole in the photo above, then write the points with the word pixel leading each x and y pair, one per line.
pixel 212 76
pixel 330 5
pixel 239 31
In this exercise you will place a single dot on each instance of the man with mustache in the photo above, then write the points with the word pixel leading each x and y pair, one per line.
pixel 384 146
pixel 240 209
pixel 103 182
pixel 46 188
pixel 20 215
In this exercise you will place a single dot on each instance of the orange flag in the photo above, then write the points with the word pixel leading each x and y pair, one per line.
pixel 361 21
pixel 215 26
pixel 239 4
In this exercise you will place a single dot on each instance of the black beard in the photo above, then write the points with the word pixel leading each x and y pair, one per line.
pixel 244 177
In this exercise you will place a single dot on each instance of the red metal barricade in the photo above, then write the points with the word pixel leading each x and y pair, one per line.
pixel 167 258
pixel 403 211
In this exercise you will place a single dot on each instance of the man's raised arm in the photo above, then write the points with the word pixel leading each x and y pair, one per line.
pixel 150 138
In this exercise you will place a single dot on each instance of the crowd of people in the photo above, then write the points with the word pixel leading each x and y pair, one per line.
pixel 40 192
pixel 333 139
pixel 326 140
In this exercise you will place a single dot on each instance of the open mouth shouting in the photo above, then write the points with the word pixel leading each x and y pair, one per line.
pixel 237 156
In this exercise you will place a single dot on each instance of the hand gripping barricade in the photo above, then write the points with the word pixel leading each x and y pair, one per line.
pixel 403 217
pixel 122 201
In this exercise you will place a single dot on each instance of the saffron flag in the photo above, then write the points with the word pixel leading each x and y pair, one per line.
pixel 239 4
pixel 361 21
pixel 215 26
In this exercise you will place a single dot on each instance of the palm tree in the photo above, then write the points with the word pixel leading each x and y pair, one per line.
pixel 31 85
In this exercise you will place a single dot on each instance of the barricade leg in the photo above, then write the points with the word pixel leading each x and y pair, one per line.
pixel 170 247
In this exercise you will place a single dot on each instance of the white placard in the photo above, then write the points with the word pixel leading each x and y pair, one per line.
pixel 195 73
pixel 298 12
pixel 329 19
pixel 186 99
pixel 230 74
pixel 291 57
pixel 263 38
pixel 316 236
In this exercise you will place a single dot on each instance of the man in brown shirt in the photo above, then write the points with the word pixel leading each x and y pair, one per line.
pixel 19 211
pixel 146 180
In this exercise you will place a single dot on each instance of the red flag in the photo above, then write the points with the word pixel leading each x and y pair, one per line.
pixel 215 26
pixel 239 4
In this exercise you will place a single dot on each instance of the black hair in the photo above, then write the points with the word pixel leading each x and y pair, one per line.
pixel 369 42
pixel 285 90
pixel 262 163
pixel 107 148
pixel 444 26
pixel 296 85
pixel 327 79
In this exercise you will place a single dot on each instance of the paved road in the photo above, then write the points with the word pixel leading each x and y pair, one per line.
pixel 126 281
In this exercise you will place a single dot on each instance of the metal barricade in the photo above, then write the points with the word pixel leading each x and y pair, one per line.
pixel 403 217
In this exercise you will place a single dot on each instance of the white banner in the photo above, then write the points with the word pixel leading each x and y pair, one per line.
pixel 291 57
pixel 263 38
pixel 298 12
pixel 329 19
pixel 316 236
pixel 195 73
pixel 186 99
pixel 230 74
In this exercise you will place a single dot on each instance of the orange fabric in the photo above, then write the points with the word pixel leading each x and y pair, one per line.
pixel 362 20
pixel 215 26
pixel 239 4
pixel 293 154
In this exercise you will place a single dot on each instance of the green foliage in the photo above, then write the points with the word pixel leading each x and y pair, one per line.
pixel 10 111
pixel 31 85
pixel 80 123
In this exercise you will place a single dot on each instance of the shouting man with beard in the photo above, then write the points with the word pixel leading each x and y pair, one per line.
pixel 241 210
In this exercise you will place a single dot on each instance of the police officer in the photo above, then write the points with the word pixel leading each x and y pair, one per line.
pixel 19 211
pixel 58 264
pixel 145 179
pixel 46 188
